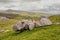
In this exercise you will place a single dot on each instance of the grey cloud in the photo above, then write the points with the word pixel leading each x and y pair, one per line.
pixel 31 5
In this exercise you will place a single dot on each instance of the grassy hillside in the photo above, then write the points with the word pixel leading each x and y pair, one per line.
pixel 42 33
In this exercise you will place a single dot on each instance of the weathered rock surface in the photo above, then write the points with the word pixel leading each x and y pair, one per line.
pixel 30 24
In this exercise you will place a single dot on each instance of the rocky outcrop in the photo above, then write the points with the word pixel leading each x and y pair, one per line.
pixel 30 24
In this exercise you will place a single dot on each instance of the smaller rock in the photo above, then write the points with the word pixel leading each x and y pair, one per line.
pixel 4 18
pixel 57 23
pixel 4 31
pixel 45 21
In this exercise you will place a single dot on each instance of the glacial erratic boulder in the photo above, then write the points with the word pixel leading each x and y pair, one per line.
pixel 29 24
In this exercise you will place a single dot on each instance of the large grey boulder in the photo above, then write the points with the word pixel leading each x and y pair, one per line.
pixel 30 24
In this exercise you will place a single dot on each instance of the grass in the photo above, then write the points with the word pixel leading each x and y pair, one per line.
pixel 4 25
pixel 42 33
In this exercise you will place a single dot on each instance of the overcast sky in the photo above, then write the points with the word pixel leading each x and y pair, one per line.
pixel 28 5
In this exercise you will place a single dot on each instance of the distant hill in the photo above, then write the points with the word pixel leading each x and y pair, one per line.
pixel 9 11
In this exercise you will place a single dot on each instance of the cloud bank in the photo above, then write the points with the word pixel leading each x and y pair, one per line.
pixel 30 5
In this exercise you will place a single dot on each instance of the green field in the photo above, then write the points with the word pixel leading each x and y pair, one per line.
pixel 42 33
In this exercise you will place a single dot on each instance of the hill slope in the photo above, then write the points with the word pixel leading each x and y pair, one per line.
pixel 42 33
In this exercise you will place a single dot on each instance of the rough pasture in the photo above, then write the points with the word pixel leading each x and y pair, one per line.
pixel 42 33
